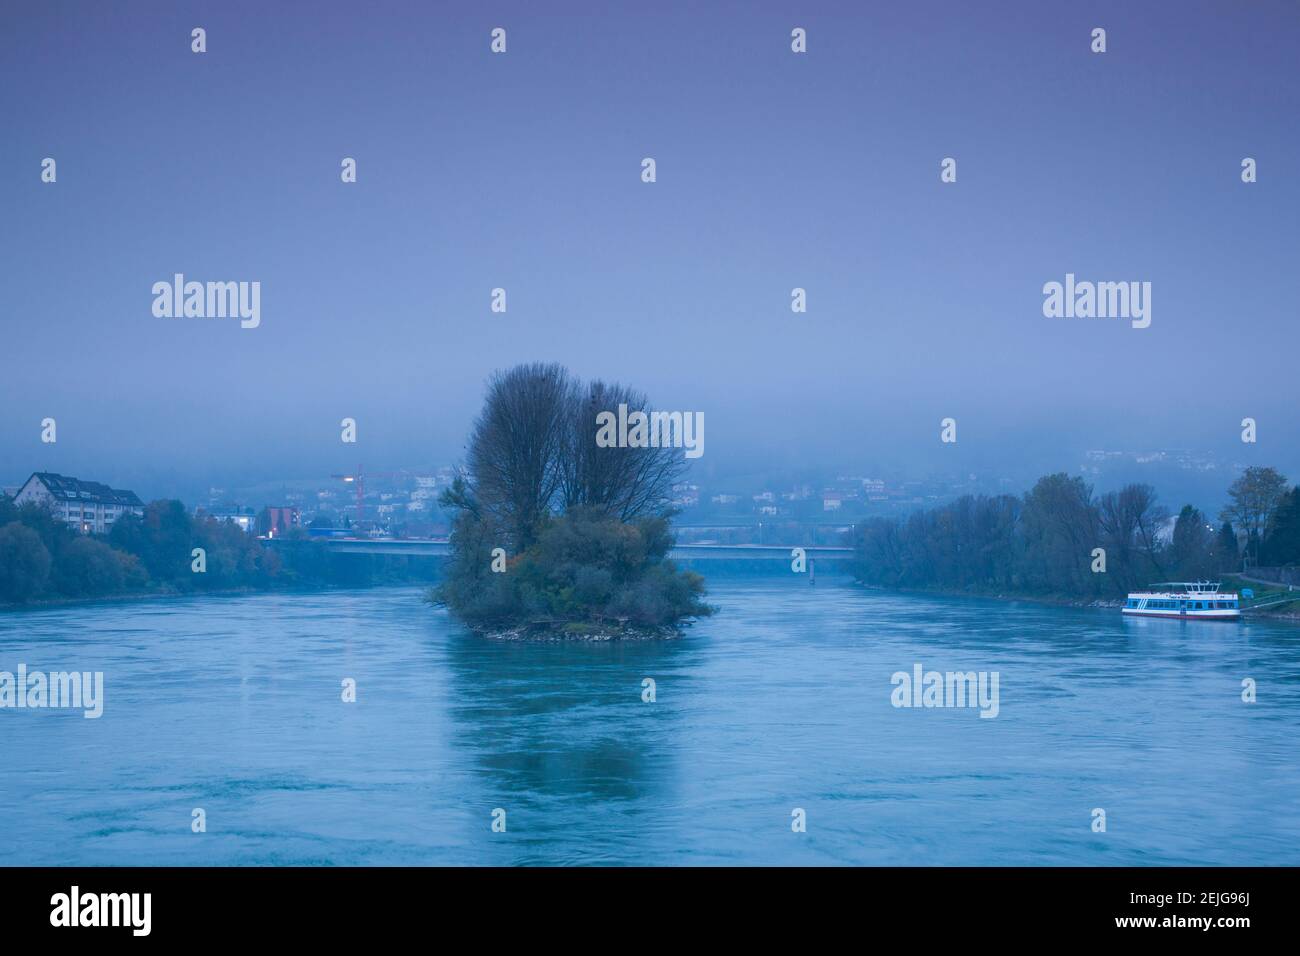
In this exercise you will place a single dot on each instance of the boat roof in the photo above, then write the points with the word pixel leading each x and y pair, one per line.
pixel 1226 594
pixel 1187 595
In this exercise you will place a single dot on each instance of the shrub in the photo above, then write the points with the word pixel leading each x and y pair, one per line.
pixel 24 563
pixel 88 568
pixel 584 572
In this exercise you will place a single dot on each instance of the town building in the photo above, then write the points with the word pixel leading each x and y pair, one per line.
pixel 245 522
pixel 276 520
pixel 85 506
pixel 685 495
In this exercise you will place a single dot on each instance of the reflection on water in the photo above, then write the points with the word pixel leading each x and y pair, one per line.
pixel 781 701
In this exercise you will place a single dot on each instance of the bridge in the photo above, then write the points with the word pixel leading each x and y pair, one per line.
pixel 681 552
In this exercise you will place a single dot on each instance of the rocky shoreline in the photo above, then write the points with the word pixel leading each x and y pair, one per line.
pixel 554 632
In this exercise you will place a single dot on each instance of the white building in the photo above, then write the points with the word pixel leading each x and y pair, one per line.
pixel 246 523
pixel 686 494
pixel 85 506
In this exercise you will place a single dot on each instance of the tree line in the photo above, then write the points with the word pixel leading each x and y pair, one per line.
pixel 41 558
pixel 1046 541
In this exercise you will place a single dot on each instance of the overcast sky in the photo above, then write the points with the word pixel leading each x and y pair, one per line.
pixel 523 171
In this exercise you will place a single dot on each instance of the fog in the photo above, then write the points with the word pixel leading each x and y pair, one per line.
pixel 523 171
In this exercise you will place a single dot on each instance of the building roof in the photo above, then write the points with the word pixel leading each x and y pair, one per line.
pixel 74 489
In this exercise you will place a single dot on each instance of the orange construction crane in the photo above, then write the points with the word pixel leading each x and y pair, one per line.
pixel 359 479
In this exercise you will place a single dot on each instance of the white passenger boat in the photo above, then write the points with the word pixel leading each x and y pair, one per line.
pixel 1199 600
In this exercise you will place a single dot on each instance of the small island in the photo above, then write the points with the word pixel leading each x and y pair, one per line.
pixel 555 535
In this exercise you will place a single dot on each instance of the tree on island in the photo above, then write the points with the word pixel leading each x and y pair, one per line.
pixel 553 532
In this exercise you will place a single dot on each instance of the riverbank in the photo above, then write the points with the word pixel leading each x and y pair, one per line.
pixel 1049 600
pixel 55 603
pixel 1289 612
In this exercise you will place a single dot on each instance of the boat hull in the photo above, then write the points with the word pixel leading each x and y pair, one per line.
pixel 1215 615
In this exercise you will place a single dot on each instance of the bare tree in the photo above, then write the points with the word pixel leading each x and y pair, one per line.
pixel 626 483
pixel 533 451
pixel 1255 498
pixel 1061 526
pixel 518 446
pixel 1130 522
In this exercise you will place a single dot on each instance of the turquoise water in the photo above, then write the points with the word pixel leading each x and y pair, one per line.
pixel 782 701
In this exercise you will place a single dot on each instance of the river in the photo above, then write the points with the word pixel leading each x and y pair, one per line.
pixel 781 702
